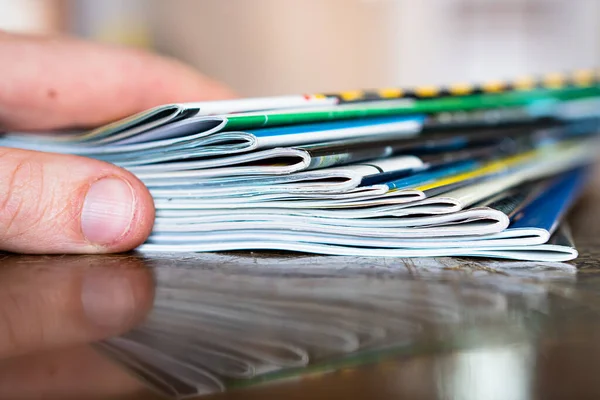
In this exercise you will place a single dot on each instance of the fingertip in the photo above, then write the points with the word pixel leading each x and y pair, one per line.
pixel 143 220
pixel 117 213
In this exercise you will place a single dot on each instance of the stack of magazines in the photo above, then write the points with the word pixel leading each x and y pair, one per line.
pixel 484 170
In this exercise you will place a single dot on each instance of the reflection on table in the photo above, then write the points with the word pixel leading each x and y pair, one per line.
pixel 269 318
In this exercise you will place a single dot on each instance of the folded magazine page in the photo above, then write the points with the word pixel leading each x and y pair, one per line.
pixel 407 101
pixel 425 184
pixel 533 209
pixel 536 211
pixel 328 154
pixel 432 149
pixel 144 128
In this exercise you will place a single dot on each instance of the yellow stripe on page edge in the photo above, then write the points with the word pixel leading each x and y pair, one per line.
pixel 524 83
pixel 496 166
pixel 461 89
pixel 554 80
pixel 427 91
pixel 389 93
pixel 584 77
pixel 489 168
pixel 350 95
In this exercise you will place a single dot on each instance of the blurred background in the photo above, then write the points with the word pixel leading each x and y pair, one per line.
pixel 267 47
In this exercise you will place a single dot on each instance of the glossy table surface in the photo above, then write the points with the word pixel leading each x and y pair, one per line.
pixel 444 328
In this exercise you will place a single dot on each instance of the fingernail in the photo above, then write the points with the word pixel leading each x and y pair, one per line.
pixel 108 301
pixel 108 210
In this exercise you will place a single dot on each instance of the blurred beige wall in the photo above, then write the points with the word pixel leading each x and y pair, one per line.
pixel 32 16
pixel 263 47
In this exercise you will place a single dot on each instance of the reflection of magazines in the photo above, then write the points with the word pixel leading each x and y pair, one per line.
pixel 245 322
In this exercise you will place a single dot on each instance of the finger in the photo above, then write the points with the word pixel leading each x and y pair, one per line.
pixel 58 302
pixel 51 203
pixel 73 373
pixel 61 82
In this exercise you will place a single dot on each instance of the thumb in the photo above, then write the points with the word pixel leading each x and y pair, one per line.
pixel 51 203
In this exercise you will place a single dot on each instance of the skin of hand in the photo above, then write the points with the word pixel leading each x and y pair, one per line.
pixel 52 203
pixel 62 204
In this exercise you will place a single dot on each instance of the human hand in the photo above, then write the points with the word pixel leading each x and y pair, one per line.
pixel 52 203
